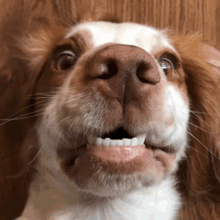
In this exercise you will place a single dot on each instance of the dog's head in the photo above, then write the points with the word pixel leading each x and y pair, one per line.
pixel 118 118
pixel 119 103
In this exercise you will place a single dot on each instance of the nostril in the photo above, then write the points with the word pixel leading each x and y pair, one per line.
pixel 146 73
pixel 109 69
pixel 142 68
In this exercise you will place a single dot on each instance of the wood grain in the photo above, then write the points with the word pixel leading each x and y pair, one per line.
pixel 182 16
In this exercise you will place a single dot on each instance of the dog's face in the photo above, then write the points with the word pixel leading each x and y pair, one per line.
pixel 118 120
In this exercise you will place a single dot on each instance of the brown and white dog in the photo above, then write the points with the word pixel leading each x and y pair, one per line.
pixel 116 108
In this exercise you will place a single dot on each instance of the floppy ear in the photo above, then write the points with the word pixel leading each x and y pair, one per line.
pixel 15 88
pixel 199 174
pixel 17 84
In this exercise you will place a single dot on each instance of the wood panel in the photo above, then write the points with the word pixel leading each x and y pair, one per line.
pixel 182 16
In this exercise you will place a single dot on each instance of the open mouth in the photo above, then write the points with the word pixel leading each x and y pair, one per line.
pixel 118 149
pixel 120 137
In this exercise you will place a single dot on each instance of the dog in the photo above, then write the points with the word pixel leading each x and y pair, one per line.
pixel 117 110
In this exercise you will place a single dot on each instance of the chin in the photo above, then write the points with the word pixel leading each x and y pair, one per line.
pixel 117 109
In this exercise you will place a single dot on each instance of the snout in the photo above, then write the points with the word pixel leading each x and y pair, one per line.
pixel 120 85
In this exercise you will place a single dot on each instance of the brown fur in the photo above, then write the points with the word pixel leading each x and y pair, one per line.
pixel 199 174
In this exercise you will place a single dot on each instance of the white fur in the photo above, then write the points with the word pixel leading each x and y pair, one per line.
pixel 134 34
pixel 158 202
pixel 54 197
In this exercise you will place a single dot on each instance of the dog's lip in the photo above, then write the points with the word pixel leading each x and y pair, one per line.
pixel 148 160
pixel 70 155
pixel 119 154
pixel 165 149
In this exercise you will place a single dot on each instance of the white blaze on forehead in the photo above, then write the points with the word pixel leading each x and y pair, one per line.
pixel 134 34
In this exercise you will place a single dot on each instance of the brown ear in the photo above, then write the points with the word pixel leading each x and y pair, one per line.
pixel 199 174
pixel 17 83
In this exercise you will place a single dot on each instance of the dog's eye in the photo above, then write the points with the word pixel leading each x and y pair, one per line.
pixel 167 66
pixel 65 60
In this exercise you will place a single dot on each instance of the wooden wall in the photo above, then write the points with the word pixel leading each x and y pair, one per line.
pixel 182 16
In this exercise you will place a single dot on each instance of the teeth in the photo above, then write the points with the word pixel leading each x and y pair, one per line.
pixel 139 140
pixel 106 141
pixel 127 141
pixel 134 141
pixel 99 141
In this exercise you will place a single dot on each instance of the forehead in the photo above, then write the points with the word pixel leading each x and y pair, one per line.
pixel 101 33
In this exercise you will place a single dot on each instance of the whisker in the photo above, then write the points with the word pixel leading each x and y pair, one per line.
pixel 216 132
pixel 35 157
pixel 40 102
pixel 26 116
pixel 197 151
pixel 205 113
pixel 68 133
pixel 52 121
pixel 203 145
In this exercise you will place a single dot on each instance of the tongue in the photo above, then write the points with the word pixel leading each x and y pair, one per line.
pixel 117 154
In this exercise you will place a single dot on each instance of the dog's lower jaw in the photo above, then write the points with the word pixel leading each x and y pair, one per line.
pixel 49 200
